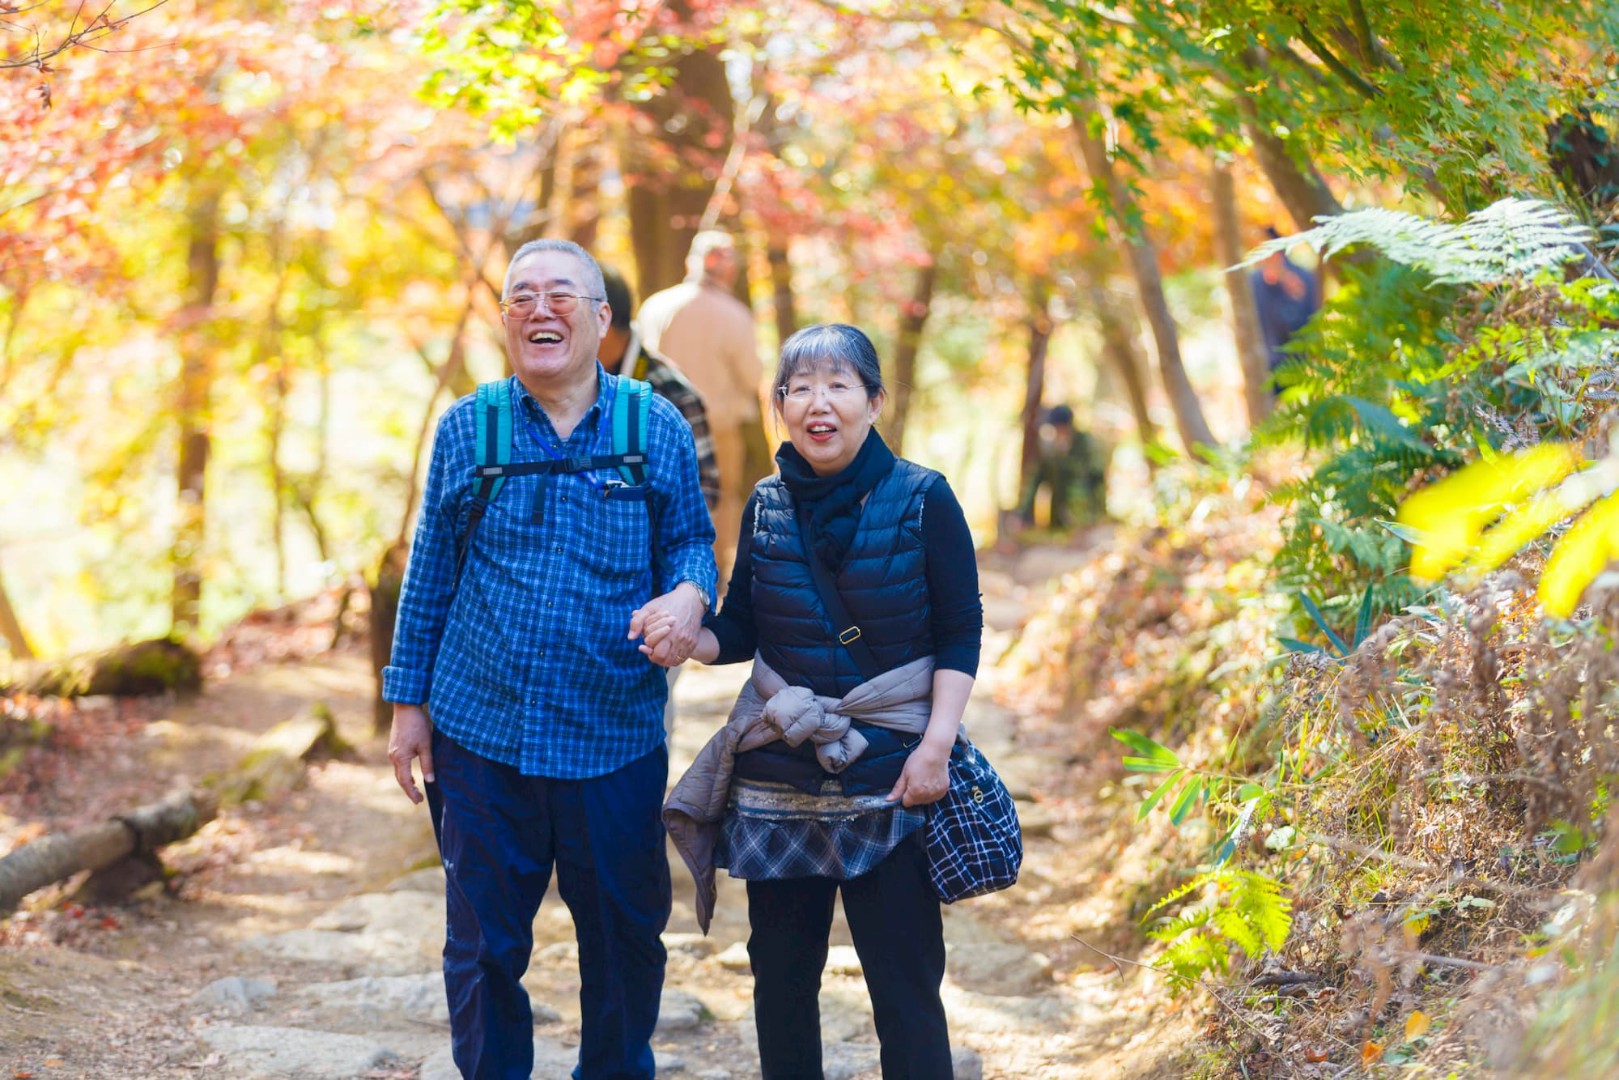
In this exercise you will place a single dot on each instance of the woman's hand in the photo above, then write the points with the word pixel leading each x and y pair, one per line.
pixel 925 778
pixel 667 625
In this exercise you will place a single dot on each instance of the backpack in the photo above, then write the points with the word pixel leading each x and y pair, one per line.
pixel 632 404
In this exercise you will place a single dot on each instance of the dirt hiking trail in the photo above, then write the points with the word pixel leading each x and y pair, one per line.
pixel 301 938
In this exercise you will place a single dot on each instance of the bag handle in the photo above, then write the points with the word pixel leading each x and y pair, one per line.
pixel 849 635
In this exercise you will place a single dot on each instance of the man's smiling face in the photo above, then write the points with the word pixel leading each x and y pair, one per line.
pixel 549 350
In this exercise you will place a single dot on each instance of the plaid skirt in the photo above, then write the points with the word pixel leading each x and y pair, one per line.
pixel 774 831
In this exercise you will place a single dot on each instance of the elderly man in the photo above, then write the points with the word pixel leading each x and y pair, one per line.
pixel 708 332
pixel 519 686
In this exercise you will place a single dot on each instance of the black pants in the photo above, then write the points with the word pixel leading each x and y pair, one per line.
pixel 899 933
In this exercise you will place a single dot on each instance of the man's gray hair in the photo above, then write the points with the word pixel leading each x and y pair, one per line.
pixel 593 272
pixel 704 242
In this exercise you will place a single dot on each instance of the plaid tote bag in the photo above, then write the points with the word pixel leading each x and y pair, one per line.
pixel 974 842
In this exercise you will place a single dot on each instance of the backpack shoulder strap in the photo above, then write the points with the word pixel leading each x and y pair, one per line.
pixel 493 448
pixel 632 404
pixel 493 410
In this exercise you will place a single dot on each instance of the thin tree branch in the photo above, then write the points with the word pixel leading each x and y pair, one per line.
pixel 96 29
pixel 1337 66
pixel 1363 30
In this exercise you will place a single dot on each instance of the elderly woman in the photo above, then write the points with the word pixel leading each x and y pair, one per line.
pixel 821 780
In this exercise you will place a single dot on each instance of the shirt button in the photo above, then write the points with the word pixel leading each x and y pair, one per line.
pixel 557 548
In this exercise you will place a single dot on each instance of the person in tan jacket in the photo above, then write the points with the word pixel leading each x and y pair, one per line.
pixel 708 334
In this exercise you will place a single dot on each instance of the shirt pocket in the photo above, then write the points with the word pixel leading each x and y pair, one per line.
pixel 616 541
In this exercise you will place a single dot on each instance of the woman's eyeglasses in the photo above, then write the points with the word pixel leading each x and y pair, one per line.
pixel 803 395
pixel 521 306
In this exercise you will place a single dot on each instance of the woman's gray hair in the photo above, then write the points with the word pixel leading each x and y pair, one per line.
pixel 593 273
pixel 829 346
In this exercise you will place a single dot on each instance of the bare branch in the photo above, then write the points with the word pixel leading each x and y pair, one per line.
pixel 76 37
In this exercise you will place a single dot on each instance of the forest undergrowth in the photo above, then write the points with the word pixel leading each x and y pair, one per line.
pixel 1390 857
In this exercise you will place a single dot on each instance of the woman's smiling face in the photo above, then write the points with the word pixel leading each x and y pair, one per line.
pixel 828 412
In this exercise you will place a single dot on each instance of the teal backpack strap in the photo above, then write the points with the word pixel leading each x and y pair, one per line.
pixel 493 445
pixel 493 410
pixel 632 404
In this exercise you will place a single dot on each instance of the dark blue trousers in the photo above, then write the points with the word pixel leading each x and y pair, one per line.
pixel 500 833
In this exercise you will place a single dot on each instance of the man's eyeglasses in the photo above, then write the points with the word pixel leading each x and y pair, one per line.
pixel 521 306
pixel 803 395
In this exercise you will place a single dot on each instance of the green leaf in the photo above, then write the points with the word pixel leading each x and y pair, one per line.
pixel 1363 621
pixel 1295 645
pixel 1151 756
pixel 1249 792
pixel 1158 794
pixel 1321 621
pixel 1186 800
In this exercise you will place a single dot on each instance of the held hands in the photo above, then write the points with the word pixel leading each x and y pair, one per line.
pixel 668 625
pixel 411 737
pixel 925 778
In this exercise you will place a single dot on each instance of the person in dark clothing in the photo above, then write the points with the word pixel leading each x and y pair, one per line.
pixel 1286 295
pixel 828 788
pixel 1072 464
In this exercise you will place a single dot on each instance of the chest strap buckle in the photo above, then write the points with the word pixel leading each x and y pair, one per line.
pixel 851 634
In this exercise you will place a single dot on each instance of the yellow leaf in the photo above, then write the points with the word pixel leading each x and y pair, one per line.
pixel 1583 552
pixel 1370 1052
pixel 1417 1025
pixel 1450 515
pixel 1518 528
pixel 1416 925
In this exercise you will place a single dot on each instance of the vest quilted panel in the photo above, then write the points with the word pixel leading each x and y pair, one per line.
pixel 883 581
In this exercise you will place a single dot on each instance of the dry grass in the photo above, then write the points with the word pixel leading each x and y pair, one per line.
pixel 1445 788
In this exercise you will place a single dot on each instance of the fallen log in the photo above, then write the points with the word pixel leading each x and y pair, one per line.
pixel 142 831
pixel 277 761
pixel 143 668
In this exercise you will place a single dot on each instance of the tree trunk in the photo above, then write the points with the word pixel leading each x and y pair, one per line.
pixel 781 285
pixel 1301 189
pixel 60 855
pixel 386 586
pixel 1228 249
pixel 196 376
pixel 1040 328
pixel 672 163
pixel 583 207
pixel 911 324
pixel 11 630
pixel 1125 228
pixel 276 762
pixel 144 668
pixel 1115 320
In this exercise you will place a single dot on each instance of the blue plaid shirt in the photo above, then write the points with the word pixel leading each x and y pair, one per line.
pixel 526 660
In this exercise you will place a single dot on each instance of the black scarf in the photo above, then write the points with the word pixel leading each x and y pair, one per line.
pixel 833 502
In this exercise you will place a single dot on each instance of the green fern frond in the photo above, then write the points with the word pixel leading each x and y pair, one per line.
pixel 1264 906
pixel 1188 959
pixel 1180 924
pixel 1179 891
pixel 1233 924
pixel 1511 239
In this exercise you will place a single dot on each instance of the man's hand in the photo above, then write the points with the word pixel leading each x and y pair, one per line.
pixel 411 737
pixel 667 625
pixel 925 778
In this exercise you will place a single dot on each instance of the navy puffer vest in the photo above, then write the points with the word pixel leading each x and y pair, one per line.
pixel 883 582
